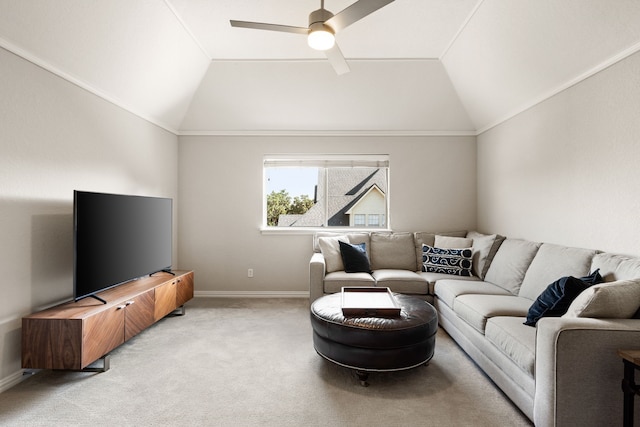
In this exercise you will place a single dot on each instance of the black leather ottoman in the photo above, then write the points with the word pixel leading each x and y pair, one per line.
pixel 375 344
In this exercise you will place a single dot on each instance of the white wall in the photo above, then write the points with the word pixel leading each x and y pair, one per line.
pixel 432 187
pixel 566 171
pixel 54 138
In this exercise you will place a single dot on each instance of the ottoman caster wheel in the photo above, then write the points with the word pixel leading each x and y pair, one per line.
pixel 363 376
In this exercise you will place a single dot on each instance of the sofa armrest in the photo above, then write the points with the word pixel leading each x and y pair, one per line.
pixel 316 276
pixel 578 372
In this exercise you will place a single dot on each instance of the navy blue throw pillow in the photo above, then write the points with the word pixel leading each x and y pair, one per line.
pixel 594 278
pixel 556 299
pixel 354 258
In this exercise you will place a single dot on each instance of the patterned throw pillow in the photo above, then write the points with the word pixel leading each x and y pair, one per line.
pixel 448 261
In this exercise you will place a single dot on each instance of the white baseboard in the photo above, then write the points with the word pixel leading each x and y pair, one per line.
pixel 14 379
pixel 252 294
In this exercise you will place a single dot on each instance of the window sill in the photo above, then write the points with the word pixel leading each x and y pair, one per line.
pixel 313 230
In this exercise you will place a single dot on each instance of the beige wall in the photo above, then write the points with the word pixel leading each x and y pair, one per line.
pixel 55 138
pixel 566 171
pixel 432 187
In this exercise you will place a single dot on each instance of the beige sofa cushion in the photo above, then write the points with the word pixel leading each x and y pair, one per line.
pixel 510 264
pixel 515 340
pixel 477 309
pixel 449 242
pixel 327 243
pixel 355 238
pixel 393 251
pixel 616 267
pixel 330 249
pixel 402 281
pixel 447 290
pixel 432 278
pixel 485 247
pixel 333 282
pixel 550 264
pixel 614 300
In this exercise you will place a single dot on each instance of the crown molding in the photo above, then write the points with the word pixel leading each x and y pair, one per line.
pixel 76 81
pixel 327 133
pixel 562 87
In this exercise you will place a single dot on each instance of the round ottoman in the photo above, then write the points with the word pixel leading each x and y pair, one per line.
pixel 374 344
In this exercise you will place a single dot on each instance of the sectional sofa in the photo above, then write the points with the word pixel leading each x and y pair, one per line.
pixel 561 369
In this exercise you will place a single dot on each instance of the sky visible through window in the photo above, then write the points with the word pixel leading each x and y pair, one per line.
pixel 296 181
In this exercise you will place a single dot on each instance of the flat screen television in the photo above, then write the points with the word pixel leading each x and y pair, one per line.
pixel 118 238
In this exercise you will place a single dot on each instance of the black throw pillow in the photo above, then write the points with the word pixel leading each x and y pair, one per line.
pixel 354 258
pixel 555 300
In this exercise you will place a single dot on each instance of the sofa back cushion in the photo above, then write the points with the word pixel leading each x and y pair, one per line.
pixel 510 264
pixel 448 242
pixel 485 247
pixel 355 238
pixel 392 250
pixel 328 244
pixel 550 264
pixel 616 267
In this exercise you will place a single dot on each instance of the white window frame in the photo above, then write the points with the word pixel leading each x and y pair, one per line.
pixel 323 161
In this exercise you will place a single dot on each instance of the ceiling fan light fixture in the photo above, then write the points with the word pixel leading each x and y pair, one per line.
pixel 321 39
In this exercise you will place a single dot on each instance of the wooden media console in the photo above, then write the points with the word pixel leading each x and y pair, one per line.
pixel 74 335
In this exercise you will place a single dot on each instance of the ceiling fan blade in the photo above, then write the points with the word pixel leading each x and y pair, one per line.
pixel 335 57
pixel 270 27
pixel 354 13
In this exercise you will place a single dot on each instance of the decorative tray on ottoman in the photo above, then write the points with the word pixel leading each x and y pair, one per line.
pixel 365 301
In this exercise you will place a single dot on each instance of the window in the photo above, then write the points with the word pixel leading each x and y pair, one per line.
pixel 326 191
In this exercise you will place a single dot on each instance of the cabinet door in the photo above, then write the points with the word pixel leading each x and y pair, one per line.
pixel 102 332
pixel 139 314
pixel 165 299
pixel 51 343
pixel 184 290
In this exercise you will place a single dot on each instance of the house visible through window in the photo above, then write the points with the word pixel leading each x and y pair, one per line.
pixel 326 191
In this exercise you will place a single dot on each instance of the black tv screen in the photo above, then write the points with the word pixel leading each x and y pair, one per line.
pixel 118 238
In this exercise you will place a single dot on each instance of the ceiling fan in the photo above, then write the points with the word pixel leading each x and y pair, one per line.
pixel 323 25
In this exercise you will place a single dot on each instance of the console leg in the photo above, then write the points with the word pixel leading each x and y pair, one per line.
pixel 180 311
pixel 363 376
pixel 106 359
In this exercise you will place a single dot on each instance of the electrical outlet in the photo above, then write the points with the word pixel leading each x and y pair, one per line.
pixel 250 272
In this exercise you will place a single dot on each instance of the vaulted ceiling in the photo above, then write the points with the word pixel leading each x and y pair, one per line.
pixel 417 66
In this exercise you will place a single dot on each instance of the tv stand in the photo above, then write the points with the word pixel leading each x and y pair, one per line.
pixel 73 335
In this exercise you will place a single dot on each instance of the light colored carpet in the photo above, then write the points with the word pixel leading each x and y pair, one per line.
pixel 232 362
